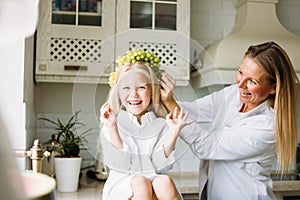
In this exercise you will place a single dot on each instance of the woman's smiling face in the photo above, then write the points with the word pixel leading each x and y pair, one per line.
pixel 135 93
pixel 253 84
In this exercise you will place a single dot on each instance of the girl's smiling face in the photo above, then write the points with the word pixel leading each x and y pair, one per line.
pixel 135 93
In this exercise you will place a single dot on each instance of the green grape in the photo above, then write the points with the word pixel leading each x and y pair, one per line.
pixel 133 56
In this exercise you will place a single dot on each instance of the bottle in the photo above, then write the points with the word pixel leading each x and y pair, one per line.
pixel 48 163
pixel 298 158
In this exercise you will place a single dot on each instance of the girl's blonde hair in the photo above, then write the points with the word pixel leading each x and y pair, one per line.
pixel 276 62
pixel 140 67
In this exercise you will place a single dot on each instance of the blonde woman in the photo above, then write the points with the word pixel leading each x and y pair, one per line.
pixel 251 123
pixel 138 144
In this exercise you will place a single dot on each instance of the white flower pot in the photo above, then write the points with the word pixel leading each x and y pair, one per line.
pixel 67 172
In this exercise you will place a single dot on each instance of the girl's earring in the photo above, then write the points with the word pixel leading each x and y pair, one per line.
pixel 123 107
pixel 151 108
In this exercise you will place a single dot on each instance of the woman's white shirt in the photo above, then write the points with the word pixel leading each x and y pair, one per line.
pixel 237 151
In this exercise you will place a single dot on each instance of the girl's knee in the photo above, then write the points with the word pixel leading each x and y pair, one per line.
pixel 163 181
pixel 141 187
pixel 140 181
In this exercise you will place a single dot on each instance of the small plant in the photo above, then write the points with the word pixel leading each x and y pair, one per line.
pixel 67 138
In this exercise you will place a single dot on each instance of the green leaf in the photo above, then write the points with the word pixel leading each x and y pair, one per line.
pixel 70 142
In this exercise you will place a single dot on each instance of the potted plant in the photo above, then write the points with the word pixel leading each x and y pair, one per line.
pixel 67 161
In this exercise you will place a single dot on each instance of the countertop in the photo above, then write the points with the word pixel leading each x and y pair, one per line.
pixel 283 189
pixel 186 182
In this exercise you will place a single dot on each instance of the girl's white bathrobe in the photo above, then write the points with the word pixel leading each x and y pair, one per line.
pixel 142 153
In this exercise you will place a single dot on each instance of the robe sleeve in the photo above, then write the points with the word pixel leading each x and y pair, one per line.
pixel 113 157
pixel 162 163
pixel 243 141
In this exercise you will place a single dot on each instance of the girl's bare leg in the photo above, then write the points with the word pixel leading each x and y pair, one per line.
pixel 164 188
pixel 141 188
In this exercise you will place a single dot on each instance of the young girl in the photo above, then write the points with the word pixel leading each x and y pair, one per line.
pixel 137 142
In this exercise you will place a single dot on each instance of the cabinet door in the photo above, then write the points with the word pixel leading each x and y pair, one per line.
pixel 161 27
pixel 74 42
pixel 77 12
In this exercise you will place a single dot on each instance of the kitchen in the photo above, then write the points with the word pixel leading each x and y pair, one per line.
pixel 57 97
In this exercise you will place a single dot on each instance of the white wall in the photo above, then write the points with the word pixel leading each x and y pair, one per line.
pixel 12 107
pixel 213 20
pixel 288 12
pixel 16 109
pixel 61 100
pixel 28 93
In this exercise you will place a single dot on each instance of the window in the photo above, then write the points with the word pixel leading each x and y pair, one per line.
pixel 153 14
pixel 77 12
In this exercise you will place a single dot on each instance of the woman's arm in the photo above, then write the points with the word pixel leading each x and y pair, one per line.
pixel 246 140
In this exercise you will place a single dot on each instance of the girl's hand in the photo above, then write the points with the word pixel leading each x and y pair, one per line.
pixel 107 117
pixel 176 121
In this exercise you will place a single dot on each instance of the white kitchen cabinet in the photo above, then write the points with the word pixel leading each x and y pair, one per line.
pixel 73 44
pixel 79 43
pixel 162 27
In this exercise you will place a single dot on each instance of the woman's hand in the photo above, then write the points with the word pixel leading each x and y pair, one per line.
pixel 107 117
pixel 167 85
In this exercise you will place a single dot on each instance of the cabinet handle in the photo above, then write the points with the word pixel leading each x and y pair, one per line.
pixel 75 68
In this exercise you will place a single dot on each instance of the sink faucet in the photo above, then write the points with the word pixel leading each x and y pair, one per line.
pixel 36 154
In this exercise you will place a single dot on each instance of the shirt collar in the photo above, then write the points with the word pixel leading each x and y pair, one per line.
pixel 146 119
pixel 260 108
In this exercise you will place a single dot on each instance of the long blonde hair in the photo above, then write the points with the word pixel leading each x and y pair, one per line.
pixel 276 62
pixel 113 97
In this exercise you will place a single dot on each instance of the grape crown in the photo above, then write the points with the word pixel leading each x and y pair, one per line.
pixel 133 56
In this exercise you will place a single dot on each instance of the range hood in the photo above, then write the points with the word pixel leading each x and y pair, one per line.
pixel 256 23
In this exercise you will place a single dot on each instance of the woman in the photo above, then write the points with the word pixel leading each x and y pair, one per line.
pixel 251 123
pixel 137 142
